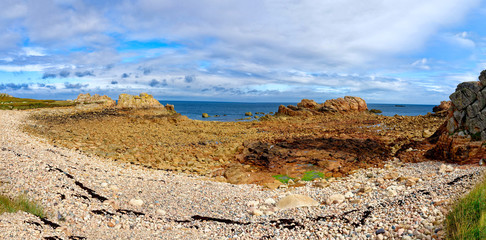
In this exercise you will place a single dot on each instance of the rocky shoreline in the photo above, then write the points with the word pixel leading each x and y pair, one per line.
pixel 88 197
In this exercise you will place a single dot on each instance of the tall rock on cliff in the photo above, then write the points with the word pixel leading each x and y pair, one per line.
pixel 143 101
pixel 468 111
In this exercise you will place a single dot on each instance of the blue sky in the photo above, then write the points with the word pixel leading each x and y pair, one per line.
pixel 402 51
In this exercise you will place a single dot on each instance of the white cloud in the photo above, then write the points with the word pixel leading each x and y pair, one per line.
pixel 33 51
pixel 460 39
pixel 421 63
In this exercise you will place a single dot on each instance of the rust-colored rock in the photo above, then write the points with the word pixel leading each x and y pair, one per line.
pixel 457 150
pixel 288 111
pixel 346 104
pixel 87 98
pixel 309 107
pixel 443 106
pixel 143 101
pixel 307 103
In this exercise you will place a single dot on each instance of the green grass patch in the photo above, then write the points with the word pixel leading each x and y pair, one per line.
pixel 467 219
pixel 10 103
pixel 283 178
pixel 20 203
pixel 311 175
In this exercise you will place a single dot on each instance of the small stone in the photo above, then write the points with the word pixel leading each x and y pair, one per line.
pixel 111 203
pixel 111 223
pixel 380 237
pixel 321 184
pixel 410 182
pixel 365 189
pixel 336 198
pixel 252 203
pixel 391 193
pixel 270 201
pixel 348 195
pixel 445 168
pixel 400 231
pixel 104 184
pixel 136 202
pixel 161 212
pixel 380 231
pixel 256 212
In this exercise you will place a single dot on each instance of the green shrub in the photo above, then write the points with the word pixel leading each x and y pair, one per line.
pixel 311 175
pixel 20 203
pixel 467 219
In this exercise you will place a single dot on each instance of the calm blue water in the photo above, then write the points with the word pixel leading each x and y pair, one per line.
pixel 235 111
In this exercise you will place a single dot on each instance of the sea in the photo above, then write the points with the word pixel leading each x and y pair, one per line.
pixel 235 111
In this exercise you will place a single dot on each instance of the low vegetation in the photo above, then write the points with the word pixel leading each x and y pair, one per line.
pixel 20 203
pixel 311 175
pixel 9 103
pixel 467 220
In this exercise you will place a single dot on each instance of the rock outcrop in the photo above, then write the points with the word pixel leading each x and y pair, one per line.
pixel 309 107
pixel 467 114
pixel 346 104
pixel 443 106
pixel 462 137
pixel 87 98
pixel 137 102
pixel 4 95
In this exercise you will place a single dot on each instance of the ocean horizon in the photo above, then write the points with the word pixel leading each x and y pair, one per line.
pixel 235 111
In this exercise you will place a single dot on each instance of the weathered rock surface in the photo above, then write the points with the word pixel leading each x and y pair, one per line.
pixel 87 98
pixel 309 107
pixel 346 104
pixel 4 95
pixel 468 111
pixel 143 101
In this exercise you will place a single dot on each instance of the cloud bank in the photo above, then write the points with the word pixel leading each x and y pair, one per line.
pixel 251 50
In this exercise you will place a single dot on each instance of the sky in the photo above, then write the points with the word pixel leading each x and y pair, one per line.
pixel 400 51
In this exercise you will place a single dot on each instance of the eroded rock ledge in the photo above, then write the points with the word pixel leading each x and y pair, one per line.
pixel 308 107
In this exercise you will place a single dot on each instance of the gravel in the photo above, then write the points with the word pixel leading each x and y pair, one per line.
pixel 93 198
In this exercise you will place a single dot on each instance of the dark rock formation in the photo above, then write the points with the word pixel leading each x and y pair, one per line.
pixel 468 111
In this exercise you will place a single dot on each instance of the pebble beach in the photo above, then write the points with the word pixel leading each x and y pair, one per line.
pixel 87 197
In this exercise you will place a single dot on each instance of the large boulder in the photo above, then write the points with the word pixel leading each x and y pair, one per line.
pixel 87 98
pixel 346 104
pixel 144 100
pixel 307 103
pixel 467 114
